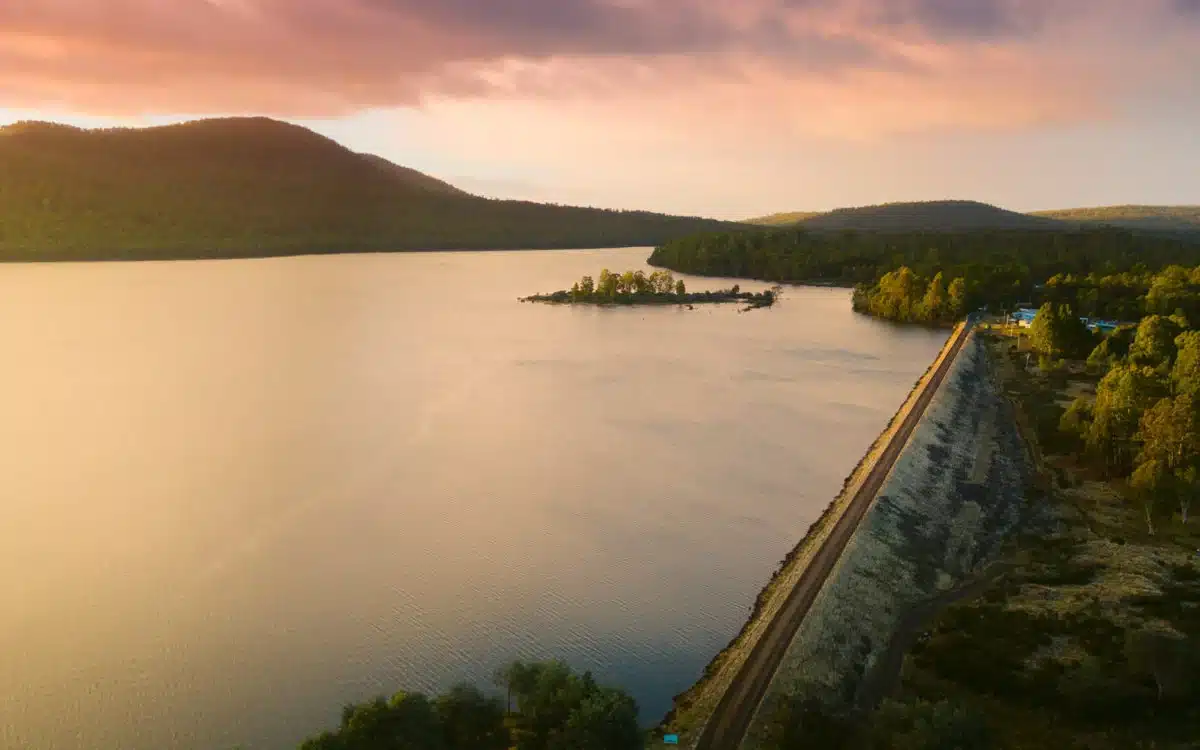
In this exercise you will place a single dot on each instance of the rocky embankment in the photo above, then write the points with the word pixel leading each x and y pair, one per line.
pixel 952 498
pixel 693 709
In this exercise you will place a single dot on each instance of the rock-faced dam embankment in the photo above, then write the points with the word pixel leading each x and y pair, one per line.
pixel 936 518
pixel 952 497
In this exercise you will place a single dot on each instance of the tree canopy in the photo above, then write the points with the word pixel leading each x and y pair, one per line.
pixel 556 709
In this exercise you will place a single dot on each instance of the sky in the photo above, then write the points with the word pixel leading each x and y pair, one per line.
pixel 726 108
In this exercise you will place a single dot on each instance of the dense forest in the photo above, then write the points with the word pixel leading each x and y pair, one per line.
pixel 997 268
pixel 1149 218
pixel 247 187
pixel 545 707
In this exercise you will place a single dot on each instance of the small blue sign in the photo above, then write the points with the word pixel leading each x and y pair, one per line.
pixel 670 739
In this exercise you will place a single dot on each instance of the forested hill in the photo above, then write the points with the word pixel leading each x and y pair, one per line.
pixel 1146 218
pixel 922 216
pixel 243 187
pixel 784 219
pixel 970 215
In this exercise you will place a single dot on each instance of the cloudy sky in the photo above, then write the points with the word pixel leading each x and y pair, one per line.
pixel 717 107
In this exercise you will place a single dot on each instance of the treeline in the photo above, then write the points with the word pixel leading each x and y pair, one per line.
pixel 612 285
pixel 546 707
pixel 905 297
pixel 1128 295
pixel 998 267
pixel 256 187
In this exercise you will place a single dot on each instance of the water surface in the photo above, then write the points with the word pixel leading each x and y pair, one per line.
pixel 236 495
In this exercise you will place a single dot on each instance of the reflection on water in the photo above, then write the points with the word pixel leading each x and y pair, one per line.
pixel 239 494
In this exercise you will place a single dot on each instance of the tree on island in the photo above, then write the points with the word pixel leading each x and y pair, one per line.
pixel 656 288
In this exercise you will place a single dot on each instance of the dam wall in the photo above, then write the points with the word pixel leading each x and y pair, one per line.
pixel 953 496
pixel 693 708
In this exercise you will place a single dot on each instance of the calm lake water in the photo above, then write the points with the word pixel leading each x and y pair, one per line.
pixel 236 495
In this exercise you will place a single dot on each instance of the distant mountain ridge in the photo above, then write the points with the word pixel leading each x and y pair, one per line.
pixel 915 216
pixel 784 219
pixel 248 187
pixel 949 216
pixel 1151 218
pixel 960 215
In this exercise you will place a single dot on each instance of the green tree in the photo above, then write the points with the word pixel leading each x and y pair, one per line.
pixel 1043 330
pixel 1168 291
pixel 323 741
pixel 936 304
pixel 470 720
pixel 1121 397
pixel 897 296
pixel 606 719
pixel 958 298
pixel 607 284
pixel 587 285
pixel 627 283
pixel 1077 419
pixel 1058 332
pixel 405 722
pixel 680 288
pixel 666 282
pixel 546 695
pixel 1170 433
pixel 1147 485
pixel 1154 343
pixel 1185 375
pixel 641 284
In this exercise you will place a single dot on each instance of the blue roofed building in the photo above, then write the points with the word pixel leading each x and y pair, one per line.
pixel 1024 316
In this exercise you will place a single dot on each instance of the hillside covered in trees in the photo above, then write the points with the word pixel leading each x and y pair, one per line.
pixel 952 215
pixel 784 219
pixel 1179 219
pixel 252 187
pixel 927 216
pixel 918 216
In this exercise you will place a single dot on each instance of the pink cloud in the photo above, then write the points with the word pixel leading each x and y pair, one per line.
pixel 851 68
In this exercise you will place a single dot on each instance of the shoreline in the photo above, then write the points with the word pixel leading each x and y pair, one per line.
pixel 692 708
pixel 164 256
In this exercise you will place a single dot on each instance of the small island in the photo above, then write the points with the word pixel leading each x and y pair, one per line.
pixel 658 288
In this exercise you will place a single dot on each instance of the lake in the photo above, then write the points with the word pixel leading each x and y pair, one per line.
pixel 238 494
